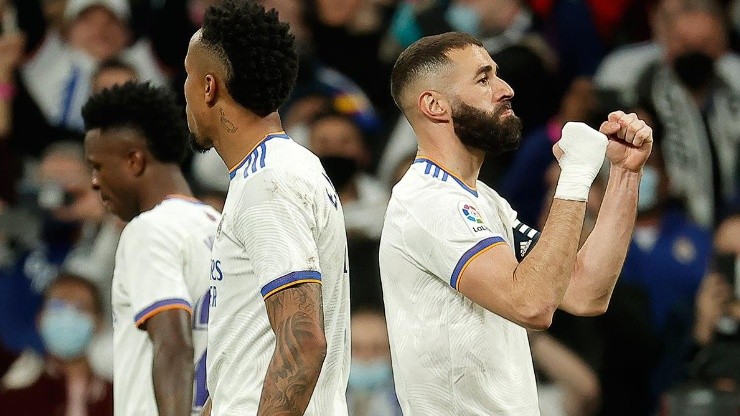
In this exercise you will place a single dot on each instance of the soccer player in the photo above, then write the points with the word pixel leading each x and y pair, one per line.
pixel 135 142
pixel 458 290
pixel 278 340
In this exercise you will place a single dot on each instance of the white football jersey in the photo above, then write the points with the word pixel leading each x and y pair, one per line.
pixel 282 225
pixel 450 355
pixel 162 263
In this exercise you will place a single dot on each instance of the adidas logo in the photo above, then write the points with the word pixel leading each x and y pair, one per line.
pixel 524 247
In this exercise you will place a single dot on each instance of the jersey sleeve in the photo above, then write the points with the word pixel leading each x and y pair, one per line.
pixel 275 223
pixel 154 270
pixel 525 238
pixel 445 235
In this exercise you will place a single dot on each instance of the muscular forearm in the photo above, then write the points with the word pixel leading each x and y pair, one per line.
pixel 172 374
pixel 543 276
pixel 600 260
pixel 292 373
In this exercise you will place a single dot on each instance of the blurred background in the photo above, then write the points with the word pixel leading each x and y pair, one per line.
pixel 669 343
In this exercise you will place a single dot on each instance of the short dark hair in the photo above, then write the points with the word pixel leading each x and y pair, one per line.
pixel 153 111
pixel 257 50
pixel 66 277
pixel 114 63
pixel 423 56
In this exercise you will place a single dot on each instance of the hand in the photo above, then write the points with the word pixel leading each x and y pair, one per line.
pixel 11 52
pixel 630 140
pixel 580 154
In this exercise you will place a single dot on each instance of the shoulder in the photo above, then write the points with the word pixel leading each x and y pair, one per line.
pixel 426 201
pixel 162 221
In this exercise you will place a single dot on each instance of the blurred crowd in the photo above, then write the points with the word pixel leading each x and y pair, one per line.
pixel 669 343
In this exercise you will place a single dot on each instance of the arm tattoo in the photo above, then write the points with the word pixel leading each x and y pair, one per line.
pixel 297 318
pixel 228 125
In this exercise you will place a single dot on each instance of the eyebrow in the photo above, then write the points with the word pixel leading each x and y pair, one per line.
pixel 484 70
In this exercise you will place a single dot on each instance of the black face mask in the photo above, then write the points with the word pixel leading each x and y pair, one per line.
pixel 694 69
pixel 339 169
pixel 486 131
pixel 54 231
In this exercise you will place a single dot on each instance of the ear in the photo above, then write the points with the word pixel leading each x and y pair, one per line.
pixel 210 89
pixel 434 106
pixel 136 161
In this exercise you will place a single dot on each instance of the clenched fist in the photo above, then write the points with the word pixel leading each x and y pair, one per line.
pixel 630 140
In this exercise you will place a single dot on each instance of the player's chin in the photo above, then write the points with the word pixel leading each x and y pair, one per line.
pixel 199 145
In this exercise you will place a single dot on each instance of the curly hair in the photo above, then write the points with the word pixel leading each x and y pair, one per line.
pixel 258 51
pixel 151 110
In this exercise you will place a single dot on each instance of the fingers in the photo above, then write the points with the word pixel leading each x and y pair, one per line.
pixel 627 127
pixel 609 128
pixel 643 135
pixel 631 130
pixel 615 115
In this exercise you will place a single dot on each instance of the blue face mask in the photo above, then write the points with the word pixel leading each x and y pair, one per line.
pixel 366 376
pixel 648 192
pixel 464 19
pixel 66 332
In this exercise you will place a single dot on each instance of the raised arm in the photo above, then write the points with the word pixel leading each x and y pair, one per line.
pixel 172 361
pixel 600 260
pixel 529 292
pixel 297 318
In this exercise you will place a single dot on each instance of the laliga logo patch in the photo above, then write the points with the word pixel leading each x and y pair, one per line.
pixel 472 217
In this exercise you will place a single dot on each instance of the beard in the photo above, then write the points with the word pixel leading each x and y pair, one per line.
pixel 197 147
pixel 487 131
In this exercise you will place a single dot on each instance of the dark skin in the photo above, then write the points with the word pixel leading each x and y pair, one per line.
pixel 297 318
pixel 130 181
pixel 295 313
pixel 172 361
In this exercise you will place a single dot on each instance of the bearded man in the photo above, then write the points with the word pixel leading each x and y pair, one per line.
pixel 459 292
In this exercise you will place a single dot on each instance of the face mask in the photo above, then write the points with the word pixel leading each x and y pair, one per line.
pixel 66 332
pixel 369 375
pixel 464 19
pixel 339 169
pixel 648 191
pixel 694 69
pixel 55 231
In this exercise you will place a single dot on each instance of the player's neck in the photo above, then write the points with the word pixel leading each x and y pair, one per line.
pixel 456 160
pixel 246 133
pixel 164 180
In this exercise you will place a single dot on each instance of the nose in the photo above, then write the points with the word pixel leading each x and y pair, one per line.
pixel 503 91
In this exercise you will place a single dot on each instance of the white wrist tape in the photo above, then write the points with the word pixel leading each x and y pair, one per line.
pixel 583 154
